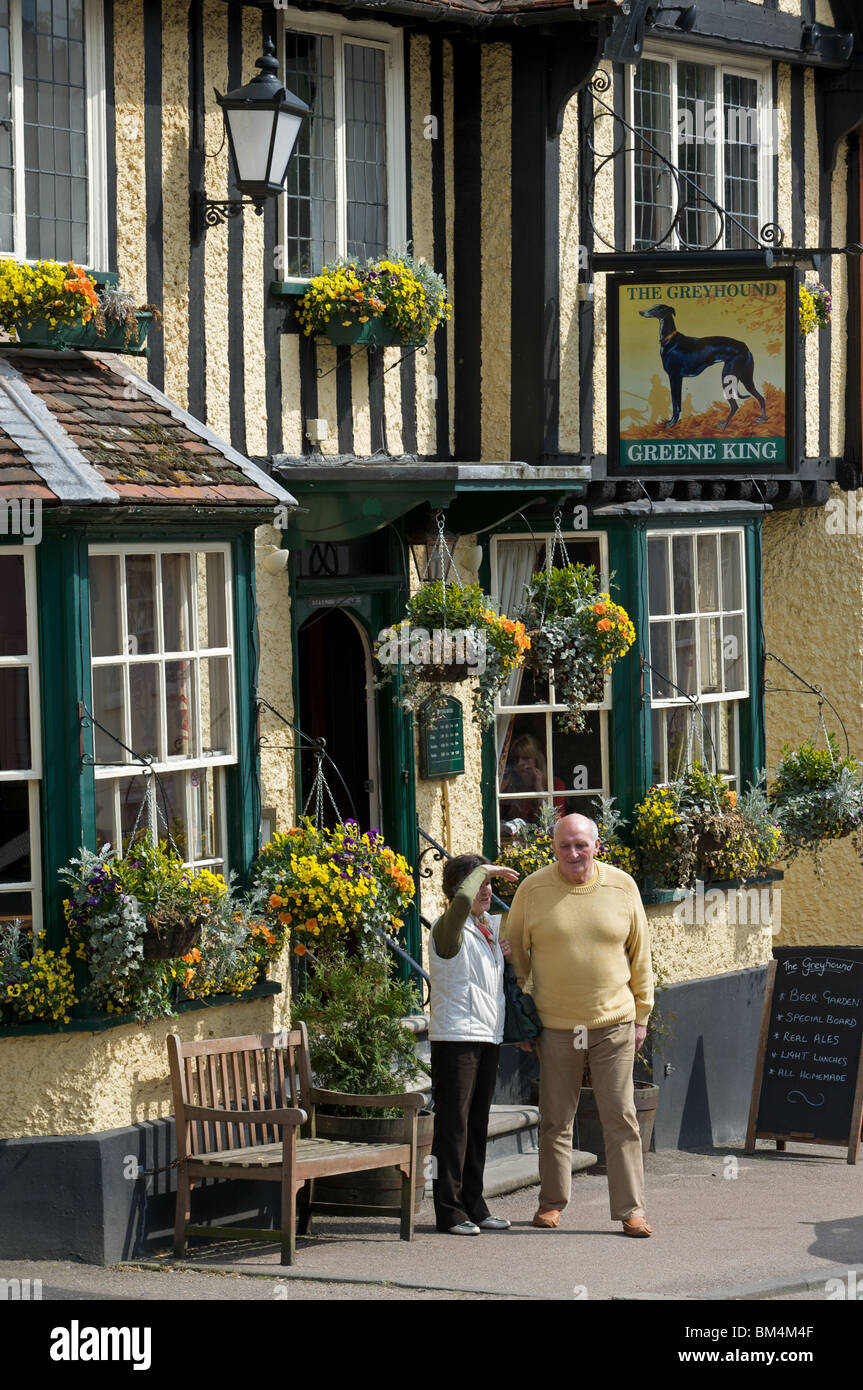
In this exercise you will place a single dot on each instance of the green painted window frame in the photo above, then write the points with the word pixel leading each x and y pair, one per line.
pixel 68 807
pixel 630 733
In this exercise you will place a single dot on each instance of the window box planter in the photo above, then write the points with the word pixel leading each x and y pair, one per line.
pixel 375 333
pixel 78 335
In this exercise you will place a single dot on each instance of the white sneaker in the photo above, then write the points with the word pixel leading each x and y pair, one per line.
pixel 495 1223
pixel 464 1228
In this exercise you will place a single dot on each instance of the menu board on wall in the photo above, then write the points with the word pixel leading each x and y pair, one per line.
pixel 809 1074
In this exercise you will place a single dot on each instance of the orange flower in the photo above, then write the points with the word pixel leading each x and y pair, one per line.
pixel 285 919
pixel 311 924
pixel 599 608
pixel 604 624
pixel 187 978
pixel 299 949
pixel 275 900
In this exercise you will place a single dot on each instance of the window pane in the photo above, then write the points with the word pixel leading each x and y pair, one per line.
pixel 653 189
pixel 684 658
pixel 696 153
pixel 215 705
pixel 105 834
pixel 109 710
pixel 141 604
pixel 311 182
pixel 708 574
pixel 14 835
pixel 657 577
pixel 105 638
pixel 204 831
pixel 13 609
pixel 526 769
pixel 172 809
pixel 732 588
pixel 179 709
pixel 53 86
pixel 710 656
pixel 15 753
pixel 576 759
pixel 365 142
pixel 175 603
pixel 660 659
pixel 682 570
pixel 741 129
pixel 212 600
pixel 134 820
pixel 734 653
pixel 144 707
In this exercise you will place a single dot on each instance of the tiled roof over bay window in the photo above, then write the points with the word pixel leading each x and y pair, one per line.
pixel 74 428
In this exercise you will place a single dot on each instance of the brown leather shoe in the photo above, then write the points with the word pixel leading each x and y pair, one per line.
pixel 547 1219
pixel 637 1226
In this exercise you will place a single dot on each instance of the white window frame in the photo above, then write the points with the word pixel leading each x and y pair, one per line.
pixel 735 698
pixel 761 72
pixel 384 37
pixel 119 772
pixel 548 711
pixel 33 775
pixel 97 151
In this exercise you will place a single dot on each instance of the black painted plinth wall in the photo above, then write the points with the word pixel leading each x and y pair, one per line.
pixel 75 1197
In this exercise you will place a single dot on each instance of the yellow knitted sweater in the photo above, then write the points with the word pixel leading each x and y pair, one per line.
pixel 585 946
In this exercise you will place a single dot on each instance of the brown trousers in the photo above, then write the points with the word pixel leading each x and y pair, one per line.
pixel 611 1053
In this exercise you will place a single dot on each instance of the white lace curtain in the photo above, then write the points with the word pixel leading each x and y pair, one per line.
pixel 517 563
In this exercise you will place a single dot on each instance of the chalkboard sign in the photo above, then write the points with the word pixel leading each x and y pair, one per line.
pixel 809 1074
pixel 441 737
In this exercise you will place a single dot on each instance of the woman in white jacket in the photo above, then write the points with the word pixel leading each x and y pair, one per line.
pixel 465 1031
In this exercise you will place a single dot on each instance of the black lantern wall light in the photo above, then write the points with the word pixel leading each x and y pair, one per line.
pixel 263 121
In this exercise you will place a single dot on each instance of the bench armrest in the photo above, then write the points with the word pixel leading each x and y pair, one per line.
pixel 245 1117
pixel 407 1100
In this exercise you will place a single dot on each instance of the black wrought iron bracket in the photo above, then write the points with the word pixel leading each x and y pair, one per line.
pixel 372 347
pixel 213 212
pixel 688 193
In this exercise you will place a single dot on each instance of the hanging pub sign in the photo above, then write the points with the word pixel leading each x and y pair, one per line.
pixel 702 373
pixel 441 737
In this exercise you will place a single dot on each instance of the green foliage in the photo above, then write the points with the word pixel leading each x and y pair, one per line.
pixel 816 796
pixel 449 606
pixel 353 1008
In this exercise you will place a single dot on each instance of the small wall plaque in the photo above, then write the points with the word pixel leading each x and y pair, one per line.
pixel 441 737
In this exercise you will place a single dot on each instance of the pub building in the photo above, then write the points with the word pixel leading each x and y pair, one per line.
pixel 623 200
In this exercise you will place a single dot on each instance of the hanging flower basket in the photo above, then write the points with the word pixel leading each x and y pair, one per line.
pixel 576 635
pixel 816 796
pixel 451 633
pixel 166 937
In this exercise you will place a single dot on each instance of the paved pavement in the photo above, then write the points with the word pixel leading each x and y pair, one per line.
pixel 727 1226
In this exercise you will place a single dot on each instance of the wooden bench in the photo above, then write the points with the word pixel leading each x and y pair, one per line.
pixel 239 1106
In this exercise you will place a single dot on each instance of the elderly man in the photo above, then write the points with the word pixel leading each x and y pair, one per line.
pixel 579 929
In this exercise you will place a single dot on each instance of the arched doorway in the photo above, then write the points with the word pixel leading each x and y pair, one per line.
pixel 337 703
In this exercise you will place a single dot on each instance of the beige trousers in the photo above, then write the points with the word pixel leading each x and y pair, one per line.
pixel 611 1053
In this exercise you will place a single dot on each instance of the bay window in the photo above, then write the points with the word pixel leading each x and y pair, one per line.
pixel 20 744
pixel 163 692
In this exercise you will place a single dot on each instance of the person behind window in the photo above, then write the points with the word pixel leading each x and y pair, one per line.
pixel 466 1021
pixel 526 771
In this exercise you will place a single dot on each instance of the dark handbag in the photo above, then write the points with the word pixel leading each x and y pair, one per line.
pixel 522 1022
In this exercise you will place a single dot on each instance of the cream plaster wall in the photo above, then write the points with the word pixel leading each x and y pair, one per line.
pixel 570 237
pixel 175 211
pixel 215 346
pixel 790 7
pixel 839 289
pixel 709 943
pixel 421 211
pixel 275 667
pixel 603 216
pixel 254 362
pixel 449 197
pixel 784 167
pixel 119 1076
pixel 813 598
pixel 450 808
pixel 362 416
pixel 496 238
pixel 292 415
pixel 129 118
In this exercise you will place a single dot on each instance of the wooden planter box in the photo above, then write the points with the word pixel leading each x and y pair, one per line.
pixel 77 335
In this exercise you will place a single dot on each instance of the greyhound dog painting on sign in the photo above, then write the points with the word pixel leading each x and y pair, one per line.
pixel 702 372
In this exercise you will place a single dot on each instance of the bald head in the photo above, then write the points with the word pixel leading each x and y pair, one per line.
pixel 576 841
